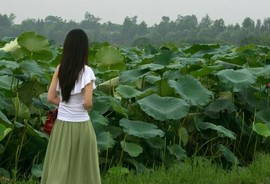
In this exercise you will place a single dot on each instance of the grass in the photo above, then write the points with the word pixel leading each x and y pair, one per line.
pixel 197 171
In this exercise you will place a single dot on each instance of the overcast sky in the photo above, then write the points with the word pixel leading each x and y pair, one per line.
pixel 150 11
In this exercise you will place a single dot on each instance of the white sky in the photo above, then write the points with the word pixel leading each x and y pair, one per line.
pixel 150 11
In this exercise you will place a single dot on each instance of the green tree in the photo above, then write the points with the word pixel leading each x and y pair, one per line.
pixel 206 22
pixel 266 24
pixel 248 23
pixel 6 23
pixel 129 30
pixel 218 26
pixel 204 33
pixel 187 22
pixel 90 21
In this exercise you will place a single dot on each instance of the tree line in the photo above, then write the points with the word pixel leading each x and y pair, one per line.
pixel 184 30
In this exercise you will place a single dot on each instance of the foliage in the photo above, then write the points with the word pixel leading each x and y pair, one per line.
pixel 184 30
pixel 152 105
pixel 196 171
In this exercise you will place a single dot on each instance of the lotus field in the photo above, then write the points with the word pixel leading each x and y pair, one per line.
pixel 153 106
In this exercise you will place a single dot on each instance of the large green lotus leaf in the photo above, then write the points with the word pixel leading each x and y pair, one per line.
pixel 164 108
pixel 250 48
pixel 31 89
pixel 43 102
pixel 156 142
pixel 4 118
pixel 218 106
pixel 253 99
pixel 205 71
pixel 140 129
pixel 33 42
pixel 231 59
pixel 6 71
pixel 188 61
pixel 191 90
pixel 105 140
pixel 147 92
pixel 164 58
pixel 21 110
pixel 208 51
pixel 152 79
pixel 236 79
pixel 261 129
pixel 131 53
pixel 152 67
pixel 171 75
pixel 132 149
pixel 260 71
pixel 9 64
pixel 97 117
pixel 150 50
pixel 4 131
pixel 101 104
pixel 37 45
pixel 45 55
pixel 115 131
pixel 131 76
pixel 4 54
pixel 177 151
pixel 110 58
pixel 228 154
pixel 33 132
pixel 6 82
pixel 118 108
pixel 202 48
pixel 175 65
pixel 252 55
pixel 263 116
pixel 170 46
pixel 32 68
pixel 126 91
pixel 221 131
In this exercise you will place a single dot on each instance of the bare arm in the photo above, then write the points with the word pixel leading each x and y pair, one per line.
pixel 88 96
pixel 52 93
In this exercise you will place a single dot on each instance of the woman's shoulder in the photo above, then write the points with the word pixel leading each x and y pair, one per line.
pixel 88 69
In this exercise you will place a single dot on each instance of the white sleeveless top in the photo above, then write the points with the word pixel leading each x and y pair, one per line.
pixel 74 110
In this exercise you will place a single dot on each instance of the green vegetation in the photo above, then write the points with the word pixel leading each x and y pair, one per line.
pixel 153 106
pixel 197 171
pixel 181 31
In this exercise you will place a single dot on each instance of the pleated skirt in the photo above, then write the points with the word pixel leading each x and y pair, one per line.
pixel 72 155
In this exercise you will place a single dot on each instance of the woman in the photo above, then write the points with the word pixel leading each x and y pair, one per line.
pixel 72 156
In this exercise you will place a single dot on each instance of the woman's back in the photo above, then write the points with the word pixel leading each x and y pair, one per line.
pixel 74 110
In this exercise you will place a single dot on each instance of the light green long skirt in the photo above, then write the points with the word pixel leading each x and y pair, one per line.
pixel 71 156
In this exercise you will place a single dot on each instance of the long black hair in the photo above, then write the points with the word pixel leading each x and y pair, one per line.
pixel 74 58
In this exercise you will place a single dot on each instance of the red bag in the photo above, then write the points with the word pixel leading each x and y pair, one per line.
pixel 51 117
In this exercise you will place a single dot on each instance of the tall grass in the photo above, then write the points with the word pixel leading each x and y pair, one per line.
pixel 196 171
